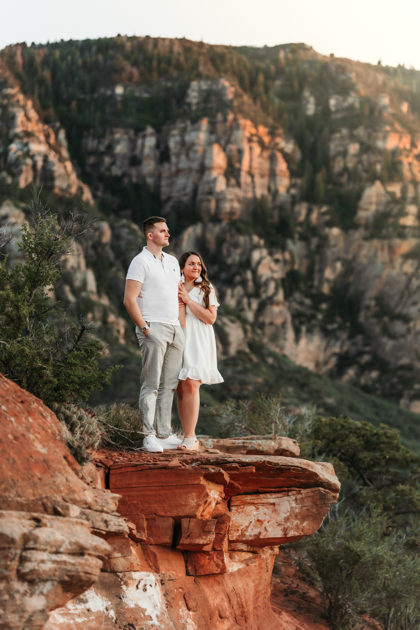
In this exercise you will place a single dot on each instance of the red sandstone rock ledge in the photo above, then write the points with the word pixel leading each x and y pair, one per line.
pixel 186 541
pixel 204 530
pixel 270 500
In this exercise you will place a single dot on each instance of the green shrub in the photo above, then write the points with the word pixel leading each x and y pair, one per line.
pixel 122 426
pixel 40 350
pixel 82 430
pixel 362 570
pixel 377 469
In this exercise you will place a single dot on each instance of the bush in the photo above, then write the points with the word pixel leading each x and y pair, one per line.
pixel 55 360
pixel 361 570
pixel 122 426
pixel 264 415
pixel 82 430
pixel 377 469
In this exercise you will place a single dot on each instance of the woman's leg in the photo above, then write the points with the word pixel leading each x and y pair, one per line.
pixel 179 401
pixel 189 405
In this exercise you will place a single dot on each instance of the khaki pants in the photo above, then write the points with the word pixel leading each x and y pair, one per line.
pixel 161 352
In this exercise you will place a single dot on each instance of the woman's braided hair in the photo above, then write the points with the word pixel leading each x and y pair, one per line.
pixel 205 282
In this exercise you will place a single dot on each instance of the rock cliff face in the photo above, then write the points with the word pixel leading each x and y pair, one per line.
pixel 224 165
pixel 360 309
pixel 52 518
pixel 34 153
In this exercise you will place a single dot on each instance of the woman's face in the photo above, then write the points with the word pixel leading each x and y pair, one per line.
pixel 192 268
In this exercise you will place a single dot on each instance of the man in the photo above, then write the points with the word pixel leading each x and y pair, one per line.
pixel 151 299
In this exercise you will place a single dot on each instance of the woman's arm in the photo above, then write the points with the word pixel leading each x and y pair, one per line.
pixel 206 315
pixel 182 315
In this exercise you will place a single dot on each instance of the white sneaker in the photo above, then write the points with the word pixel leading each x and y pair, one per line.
pixel 151 444
pixel 171 442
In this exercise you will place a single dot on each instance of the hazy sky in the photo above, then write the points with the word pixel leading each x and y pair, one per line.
pixel 367 30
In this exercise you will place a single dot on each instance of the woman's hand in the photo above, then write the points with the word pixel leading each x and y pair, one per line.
pixel 183 294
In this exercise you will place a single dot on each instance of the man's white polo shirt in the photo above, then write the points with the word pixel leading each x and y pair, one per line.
pixel 158 299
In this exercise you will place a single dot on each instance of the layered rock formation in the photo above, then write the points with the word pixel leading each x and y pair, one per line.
pixel 224 165
pixel 204 531
pixel 34 153
pixel 52 519
pixel 192 545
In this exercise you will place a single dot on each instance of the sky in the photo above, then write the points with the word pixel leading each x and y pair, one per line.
pixel 363 30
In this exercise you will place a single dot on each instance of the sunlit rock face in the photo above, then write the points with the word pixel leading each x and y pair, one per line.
pixel 224 165
pixel 35 153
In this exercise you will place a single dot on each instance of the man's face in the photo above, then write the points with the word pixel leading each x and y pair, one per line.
pixel 160 234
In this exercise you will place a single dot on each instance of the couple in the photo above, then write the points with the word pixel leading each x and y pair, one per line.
pixel 173 314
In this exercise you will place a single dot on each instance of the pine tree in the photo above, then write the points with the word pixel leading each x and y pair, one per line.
pixel 39 350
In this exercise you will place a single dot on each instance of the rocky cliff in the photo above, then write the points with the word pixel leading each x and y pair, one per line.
pixel 53 519
pixel 223 165
pixel 296 176
pixel 34 153
pixel 205 531
pixel 192 545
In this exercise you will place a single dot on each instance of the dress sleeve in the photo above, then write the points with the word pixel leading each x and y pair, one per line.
pixel 212 298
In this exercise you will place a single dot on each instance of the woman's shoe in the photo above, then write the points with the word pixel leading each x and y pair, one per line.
pixel 189 444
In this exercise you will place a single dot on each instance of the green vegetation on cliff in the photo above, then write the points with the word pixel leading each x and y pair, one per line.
pixel 52 357
pixel 131 82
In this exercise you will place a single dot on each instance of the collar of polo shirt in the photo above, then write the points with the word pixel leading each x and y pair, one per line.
pixel 152 256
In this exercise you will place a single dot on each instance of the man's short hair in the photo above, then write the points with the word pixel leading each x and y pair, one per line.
pixel 150 222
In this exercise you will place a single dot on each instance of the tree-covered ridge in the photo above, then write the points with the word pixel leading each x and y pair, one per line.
pixel 317 157
pixel 132 82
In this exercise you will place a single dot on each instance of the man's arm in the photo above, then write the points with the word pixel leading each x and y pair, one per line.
pixel 132 291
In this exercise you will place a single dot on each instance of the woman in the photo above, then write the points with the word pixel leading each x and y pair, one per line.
pixel 198 312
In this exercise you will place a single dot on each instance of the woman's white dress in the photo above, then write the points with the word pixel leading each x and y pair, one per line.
pixel 200 357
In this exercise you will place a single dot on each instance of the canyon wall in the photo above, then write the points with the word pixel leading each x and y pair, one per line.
pixel 318 263
pixel 34 153
pixel 223 165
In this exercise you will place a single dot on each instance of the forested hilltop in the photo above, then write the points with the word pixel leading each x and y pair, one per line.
pixel 296 175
